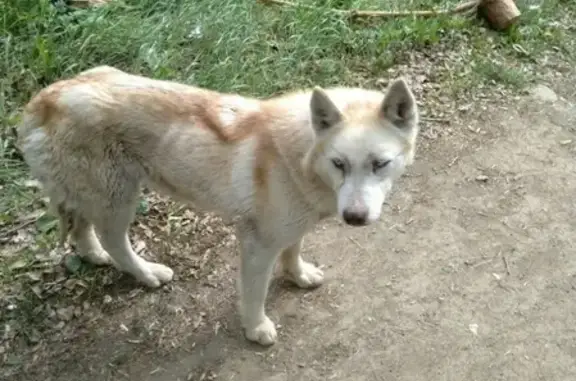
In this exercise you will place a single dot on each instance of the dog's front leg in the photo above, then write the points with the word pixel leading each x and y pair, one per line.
pixel 297 270
pixel 257 265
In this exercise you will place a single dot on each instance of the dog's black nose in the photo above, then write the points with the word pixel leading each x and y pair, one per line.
pixel 355 217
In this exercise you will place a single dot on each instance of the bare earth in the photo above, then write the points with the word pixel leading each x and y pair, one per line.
pixel 470 275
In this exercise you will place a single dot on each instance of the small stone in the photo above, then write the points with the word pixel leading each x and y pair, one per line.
pixel 483 178
pixel 544 94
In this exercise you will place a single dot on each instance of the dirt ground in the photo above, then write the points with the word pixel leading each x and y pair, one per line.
pixel 470 275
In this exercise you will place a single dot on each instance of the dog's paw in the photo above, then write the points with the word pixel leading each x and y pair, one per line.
pixel 155 274
pixel 263 333
pixel 306 275
pixel 98 257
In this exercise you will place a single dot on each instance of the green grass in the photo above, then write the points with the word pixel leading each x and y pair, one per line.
pixel 243 46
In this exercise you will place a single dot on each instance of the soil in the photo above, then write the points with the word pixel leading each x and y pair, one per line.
pixel 470 275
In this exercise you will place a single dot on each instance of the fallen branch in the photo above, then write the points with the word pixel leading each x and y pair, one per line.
pixel 467 7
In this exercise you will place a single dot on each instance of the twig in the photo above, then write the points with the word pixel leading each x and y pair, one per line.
pixel 466 7
pixel 439 120
pixel 5 234
pixel 484 262
pixel 87 3
pixel 290 4
pixel 453 161
pixel 505 264
pixel 357 243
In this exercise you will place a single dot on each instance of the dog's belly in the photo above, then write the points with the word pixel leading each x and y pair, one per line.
pixel 214 195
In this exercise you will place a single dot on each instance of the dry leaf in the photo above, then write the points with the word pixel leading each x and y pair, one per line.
pixel 19 264
pixel 34 276
pixel 66 313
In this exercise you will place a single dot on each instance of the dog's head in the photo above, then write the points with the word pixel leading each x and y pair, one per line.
pixel 362 146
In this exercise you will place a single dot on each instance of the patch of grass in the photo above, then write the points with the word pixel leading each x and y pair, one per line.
pixel 243 46
pixel 500 73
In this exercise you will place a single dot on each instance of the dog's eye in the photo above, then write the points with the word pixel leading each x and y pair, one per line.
pixel 379 164
pixel 338 163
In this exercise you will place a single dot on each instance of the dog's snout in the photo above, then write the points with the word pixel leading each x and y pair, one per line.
pixel 356 216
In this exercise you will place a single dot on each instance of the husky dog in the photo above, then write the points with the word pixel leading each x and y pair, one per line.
pixel 281 165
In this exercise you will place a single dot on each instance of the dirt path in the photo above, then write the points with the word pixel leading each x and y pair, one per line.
pixel 471 275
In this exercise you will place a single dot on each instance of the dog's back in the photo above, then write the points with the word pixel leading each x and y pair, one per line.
pixel 101 133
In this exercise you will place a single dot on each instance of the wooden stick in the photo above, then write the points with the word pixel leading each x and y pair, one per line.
pixel 466 7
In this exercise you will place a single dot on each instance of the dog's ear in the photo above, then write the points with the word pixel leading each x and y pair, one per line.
pixel 323 111
pixel 399 105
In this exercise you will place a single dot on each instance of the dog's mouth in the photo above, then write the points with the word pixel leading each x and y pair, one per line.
pixel 357 223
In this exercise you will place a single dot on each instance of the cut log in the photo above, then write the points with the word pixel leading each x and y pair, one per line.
pixel 501 14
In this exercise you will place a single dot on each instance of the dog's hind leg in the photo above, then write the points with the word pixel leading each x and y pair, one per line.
pixel 113 225
pixel 300 272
